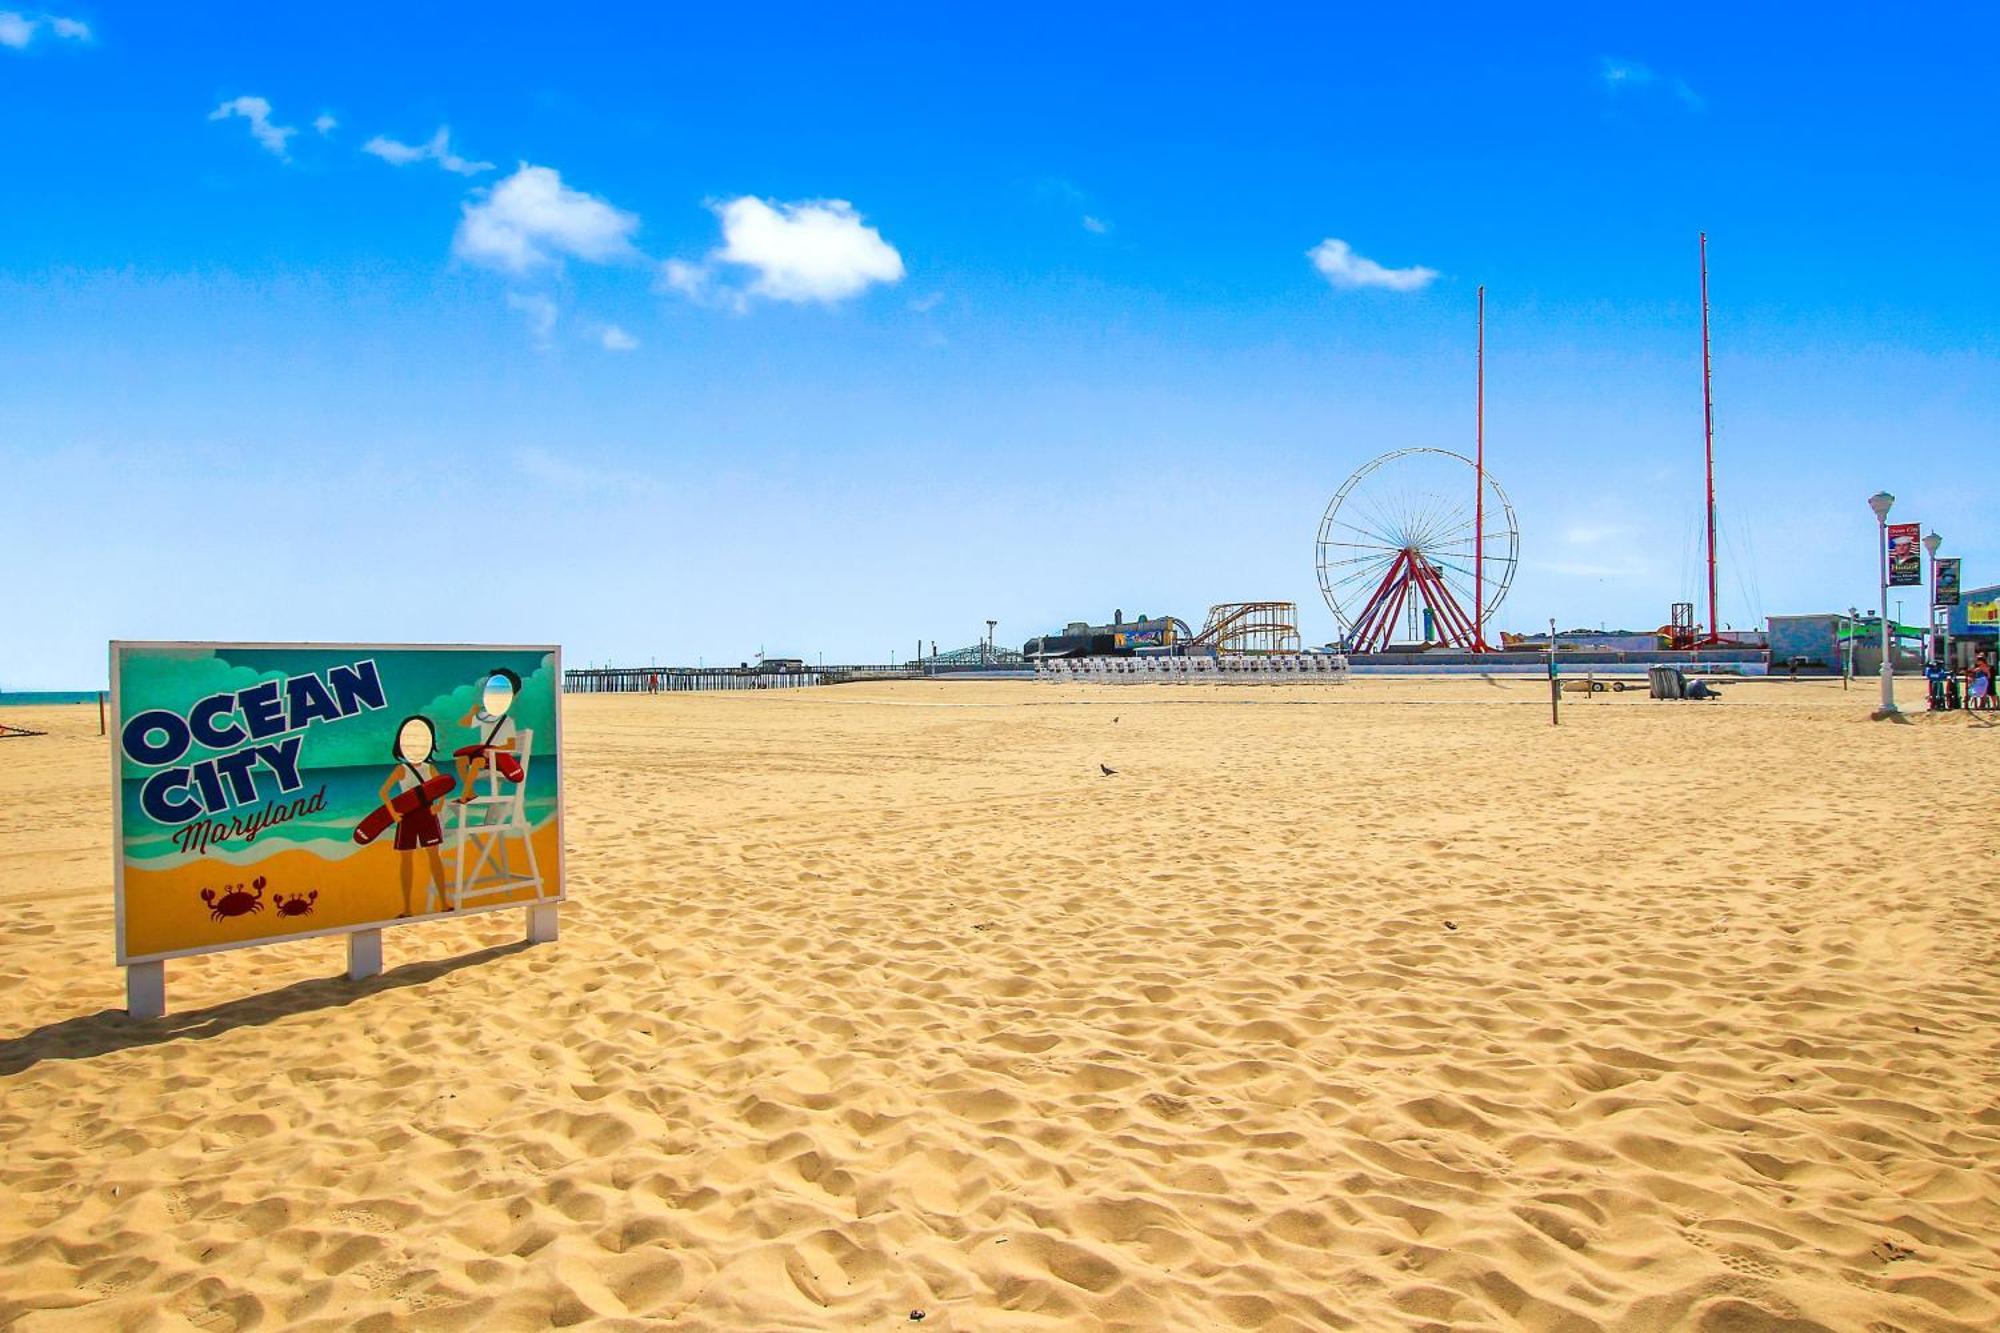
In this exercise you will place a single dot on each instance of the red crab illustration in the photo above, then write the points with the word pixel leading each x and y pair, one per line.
pixel 299 904
pixel 235 902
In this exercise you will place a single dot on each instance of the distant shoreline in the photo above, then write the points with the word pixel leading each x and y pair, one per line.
pixel 26 697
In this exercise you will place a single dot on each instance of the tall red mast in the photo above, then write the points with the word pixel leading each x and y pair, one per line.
pixel 1708 436
pixel 1479 495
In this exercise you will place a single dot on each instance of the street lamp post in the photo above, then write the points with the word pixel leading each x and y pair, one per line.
pixel 1931 543
pixel 1880 503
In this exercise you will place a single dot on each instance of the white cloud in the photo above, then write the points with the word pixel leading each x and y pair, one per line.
pixel 683 277
pixel 540 312
pixel 395 154
pixel 258 112
pixel 532 219
pixel 437 150
pixel 325 124
pixel 1622 74
pixel 1339 265
pixel 615 339
pixel 815 250
pixel 697 283
pixel 17 30
pixel 1067 194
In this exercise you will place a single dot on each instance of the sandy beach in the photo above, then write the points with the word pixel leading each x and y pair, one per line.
pixel 1383 1005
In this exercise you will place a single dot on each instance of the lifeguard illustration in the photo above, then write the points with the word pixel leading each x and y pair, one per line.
pixel 491 717
pixel 491 834
pixel 409 797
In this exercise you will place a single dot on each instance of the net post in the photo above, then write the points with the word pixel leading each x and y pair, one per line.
pixel 1555 685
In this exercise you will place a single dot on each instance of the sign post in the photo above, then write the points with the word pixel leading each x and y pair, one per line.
pixel 268 792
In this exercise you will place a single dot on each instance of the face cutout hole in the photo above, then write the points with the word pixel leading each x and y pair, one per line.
pixel 498 696
pixel 415 740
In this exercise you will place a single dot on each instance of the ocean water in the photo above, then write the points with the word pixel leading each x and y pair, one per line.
pixel 26 697
pixel 350 794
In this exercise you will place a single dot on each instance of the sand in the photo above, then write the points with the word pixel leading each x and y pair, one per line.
pixel 1376 1006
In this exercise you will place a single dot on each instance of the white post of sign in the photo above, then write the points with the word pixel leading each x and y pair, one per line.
pixel 364 954
pixel 146 990
pixel 542 923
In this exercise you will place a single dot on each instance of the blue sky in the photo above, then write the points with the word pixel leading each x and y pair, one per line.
pixel 824 332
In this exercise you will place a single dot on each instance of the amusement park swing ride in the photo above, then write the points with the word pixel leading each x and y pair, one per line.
pixel 1421 544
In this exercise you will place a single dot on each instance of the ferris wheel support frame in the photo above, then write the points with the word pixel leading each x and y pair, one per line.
pixel 1375 624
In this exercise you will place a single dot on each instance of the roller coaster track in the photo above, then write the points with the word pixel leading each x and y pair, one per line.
pixel 1250 627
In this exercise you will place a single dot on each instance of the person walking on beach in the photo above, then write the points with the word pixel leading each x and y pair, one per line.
pixel 417 829
pixel 1980 695
pixel 495 746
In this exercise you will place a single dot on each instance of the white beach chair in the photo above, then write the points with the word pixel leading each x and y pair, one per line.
pixel 497 812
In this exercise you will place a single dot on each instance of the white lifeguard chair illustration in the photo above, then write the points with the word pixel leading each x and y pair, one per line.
pixel 485 864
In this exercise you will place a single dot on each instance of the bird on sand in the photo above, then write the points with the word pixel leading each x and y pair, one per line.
pixel 1107 770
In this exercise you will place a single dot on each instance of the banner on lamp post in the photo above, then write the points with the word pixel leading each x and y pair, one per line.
pixel 1944 581
pixel 1906 555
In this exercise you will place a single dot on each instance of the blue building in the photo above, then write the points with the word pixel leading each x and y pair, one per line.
pixel 1967 638
pixel 1819 643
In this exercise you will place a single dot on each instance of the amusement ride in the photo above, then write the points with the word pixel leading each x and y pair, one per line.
pixel 1420 545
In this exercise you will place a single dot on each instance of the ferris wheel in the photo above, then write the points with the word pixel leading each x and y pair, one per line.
pixel 1402 557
